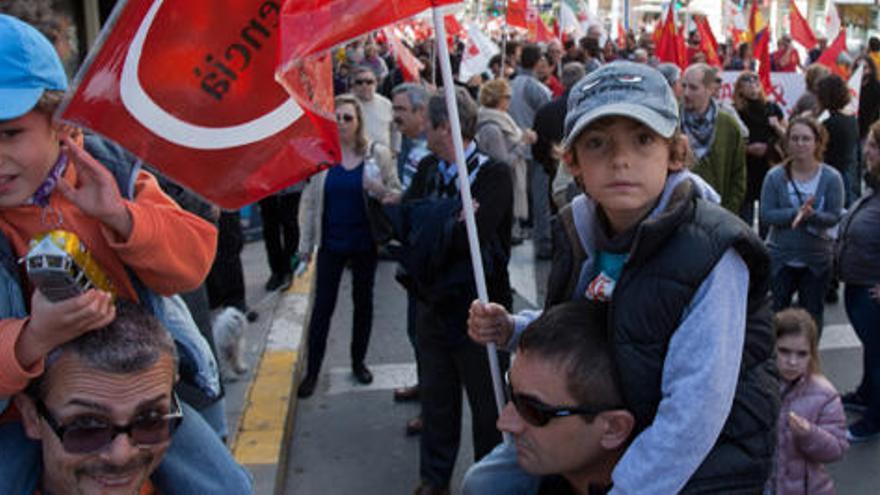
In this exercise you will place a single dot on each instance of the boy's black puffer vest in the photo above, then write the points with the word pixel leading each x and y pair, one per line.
pixel 669 259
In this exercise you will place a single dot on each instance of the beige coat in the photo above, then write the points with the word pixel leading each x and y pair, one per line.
pixel 311 206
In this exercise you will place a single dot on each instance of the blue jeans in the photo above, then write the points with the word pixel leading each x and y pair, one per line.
pixel 196 462
pixel 499 472
pixel 810 288
pixel 864 314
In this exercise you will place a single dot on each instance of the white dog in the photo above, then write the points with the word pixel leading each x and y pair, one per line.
pixel 228 329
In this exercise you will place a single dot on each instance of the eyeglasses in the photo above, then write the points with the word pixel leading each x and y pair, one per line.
pixel 362 82
pixel 345 117
pixel 749 79
pixel 536 413
pixel 87 434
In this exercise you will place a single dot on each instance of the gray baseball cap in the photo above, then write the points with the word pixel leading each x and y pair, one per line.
pixel 626 89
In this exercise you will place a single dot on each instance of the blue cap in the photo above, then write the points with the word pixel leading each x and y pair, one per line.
pixel 29 65
pixel 626 89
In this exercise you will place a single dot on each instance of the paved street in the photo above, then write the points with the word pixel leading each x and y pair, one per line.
pixel 350 438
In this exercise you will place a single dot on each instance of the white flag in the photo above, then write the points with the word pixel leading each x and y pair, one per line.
pixel 733 17
pixel 569 22
pixel 832 21
pixel 477 53
pixel 855 88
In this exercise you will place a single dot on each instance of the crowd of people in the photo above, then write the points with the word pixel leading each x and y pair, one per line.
pixel 693 245
pixel 698 218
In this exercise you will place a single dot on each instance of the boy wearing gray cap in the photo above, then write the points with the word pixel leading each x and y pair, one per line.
pixel 686 284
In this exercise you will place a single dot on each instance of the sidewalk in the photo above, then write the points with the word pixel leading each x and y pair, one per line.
pixel 260 406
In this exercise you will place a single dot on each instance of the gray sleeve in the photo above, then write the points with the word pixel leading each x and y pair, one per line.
pixel 699 381
pixel 775 207
pixel 520 321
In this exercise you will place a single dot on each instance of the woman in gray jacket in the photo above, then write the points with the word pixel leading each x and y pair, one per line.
pixel 801 201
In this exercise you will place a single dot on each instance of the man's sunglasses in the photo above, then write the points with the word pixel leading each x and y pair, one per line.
pixel 536 413
pixel 344 117
pixel 362 82
pixel 87 434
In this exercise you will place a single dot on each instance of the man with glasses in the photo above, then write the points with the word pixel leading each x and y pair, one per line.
pixel 565 412
pixel 104 411
pixel 378 116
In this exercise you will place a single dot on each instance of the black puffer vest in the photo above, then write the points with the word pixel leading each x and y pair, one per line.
pixel 670 257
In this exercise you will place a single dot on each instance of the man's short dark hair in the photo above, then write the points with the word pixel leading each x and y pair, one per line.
pixel 874 44
pixel 530 55
pixel 467 112
pixel 574 336
pixel 133 342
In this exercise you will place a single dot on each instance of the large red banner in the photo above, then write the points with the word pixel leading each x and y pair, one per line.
pixel 188 86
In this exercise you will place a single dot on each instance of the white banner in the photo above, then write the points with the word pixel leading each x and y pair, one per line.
pixel 787 88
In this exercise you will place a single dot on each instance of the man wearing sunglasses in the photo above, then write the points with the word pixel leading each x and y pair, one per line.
pixel 104 410
pixel 378 115
pixel 565 410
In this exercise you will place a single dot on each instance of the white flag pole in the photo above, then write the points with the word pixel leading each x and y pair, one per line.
pixel 467 203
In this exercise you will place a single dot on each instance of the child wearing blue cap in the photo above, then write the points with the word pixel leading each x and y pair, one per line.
pixel 687 289
pixel 134 233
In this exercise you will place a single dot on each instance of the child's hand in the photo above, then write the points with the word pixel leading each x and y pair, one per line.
pixel 54 323
pixel 96 192
pixel 489 323
pixel 798 425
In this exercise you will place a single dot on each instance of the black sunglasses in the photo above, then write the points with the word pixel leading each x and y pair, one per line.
pixel 536 413
pixel 87 434
pixel 344 117
pixel 359 82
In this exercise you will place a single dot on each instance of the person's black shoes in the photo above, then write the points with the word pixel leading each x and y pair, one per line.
pixel 406 394
pixel 361 373
pixel 278 281
pixel 307 386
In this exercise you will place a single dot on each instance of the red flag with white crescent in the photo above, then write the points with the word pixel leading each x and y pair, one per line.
pixel 189 88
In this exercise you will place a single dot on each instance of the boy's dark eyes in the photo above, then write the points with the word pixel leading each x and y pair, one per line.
pixel 645 138
pixel 9 133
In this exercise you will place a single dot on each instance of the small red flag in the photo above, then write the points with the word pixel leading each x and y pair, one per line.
pixel 670 43
pixel 829 56
pixel 516 13
pixel 544 33
pixel 707 41
pixel 410 66
pixel 621 36
pixel 800 28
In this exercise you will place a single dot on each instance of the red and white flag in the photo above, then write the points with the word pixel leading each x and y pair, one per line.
pixel 855 90
pixel 409 65
pixel 189 88
pixel 477 53
pixel 832 20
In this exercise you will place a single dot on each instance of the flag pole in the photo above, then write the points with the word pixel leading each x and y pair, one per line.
pixel 467 203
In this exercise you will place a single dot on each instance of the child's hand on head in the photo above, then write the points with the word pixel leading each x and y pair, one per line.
pixel 96 192
pixel 54 323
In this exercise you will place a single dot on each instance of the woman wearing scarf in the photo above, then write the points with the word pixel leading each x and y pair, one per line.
pixel 499 137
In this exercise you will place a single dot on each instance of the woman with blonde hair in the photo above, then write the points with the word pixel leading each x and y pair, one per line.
pixel 766 123
pixel 334 216
pixel 499 137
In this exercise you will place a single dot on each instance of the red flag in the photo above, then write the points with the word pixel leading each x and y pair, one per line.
pixel 800 28
pixel 516 13
pixel 312 26
pixel 829 56
pixel 453 28
pixel 670 44
pixel 189 88
pixel 544 33
pixel 708 45
pixel 409 65
pixel 759 33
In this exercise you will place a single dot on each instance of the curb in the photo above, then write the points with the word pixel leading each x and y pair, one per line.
pixel 261 441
